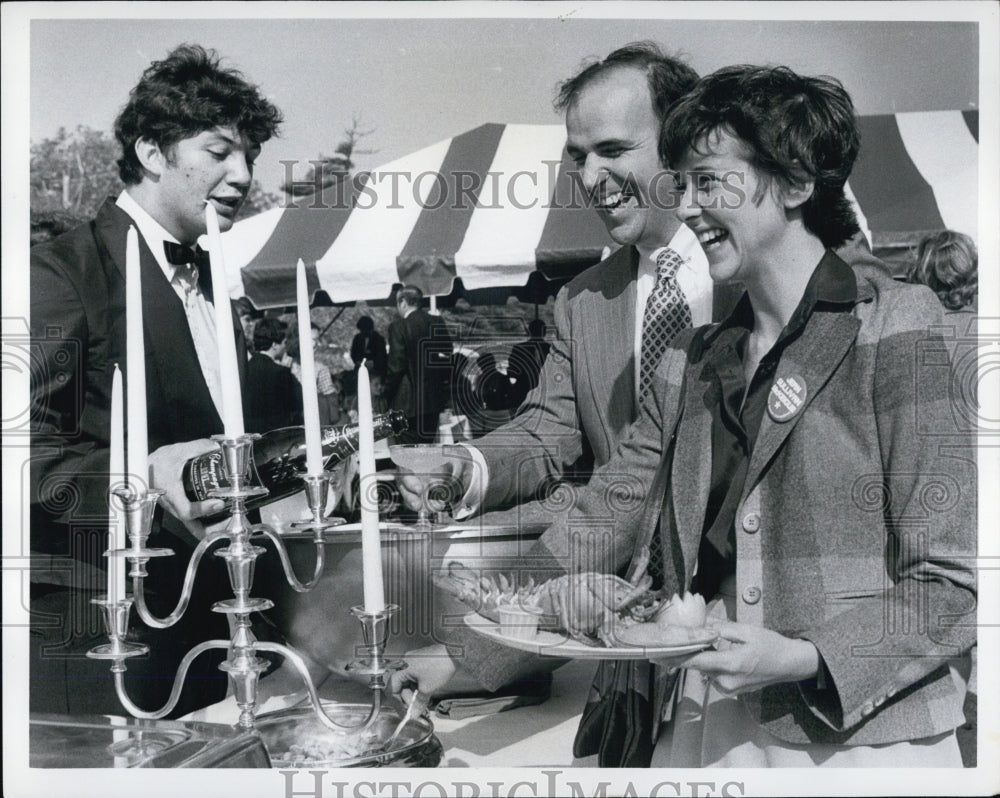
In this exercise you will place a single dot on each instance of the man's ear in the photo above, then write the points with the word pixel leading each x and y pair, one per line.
pixel 152 158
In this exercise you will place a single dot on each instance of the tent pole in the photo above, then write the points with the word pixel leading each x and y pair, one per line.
pixel 434 305
pixel 330 324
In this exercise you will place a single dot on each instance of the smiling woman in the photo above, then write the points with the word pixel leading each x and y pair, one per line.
pixel 793 684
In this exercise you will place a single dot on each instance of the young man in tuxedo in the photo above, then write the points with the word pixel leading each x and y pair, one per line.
pixel 189 133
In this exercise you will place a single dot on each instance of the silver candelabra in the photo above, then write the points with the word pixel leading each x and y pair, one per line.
pixel 242 663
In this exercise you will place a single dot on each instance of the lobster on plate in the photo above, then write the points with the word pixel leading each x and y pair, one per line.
pixel 619 603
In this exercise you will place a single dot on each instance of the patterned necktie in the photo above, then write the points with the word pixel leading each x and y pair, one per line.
pixel 666 314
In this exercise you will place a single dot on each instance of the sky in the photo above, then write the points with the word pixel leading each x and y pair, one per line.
pixel 418 81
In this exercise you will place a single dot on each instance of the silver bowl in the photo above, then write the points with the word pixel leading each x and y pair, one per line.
pixel 416 745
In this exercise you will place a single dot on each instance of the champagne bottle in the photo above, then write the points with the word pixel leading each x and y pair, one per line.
pixel 279 458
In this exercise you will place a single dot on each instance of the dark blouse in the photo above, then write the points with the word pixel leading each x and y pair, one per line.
pixel 738 409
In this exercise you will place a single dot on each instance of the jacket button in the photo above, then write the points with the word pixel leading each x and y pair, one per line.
pixel 867 708
pixel 751 523
pixel 751 595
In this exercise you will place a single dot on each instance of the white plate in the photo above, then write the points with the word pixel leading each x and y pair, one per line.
pixel 554 644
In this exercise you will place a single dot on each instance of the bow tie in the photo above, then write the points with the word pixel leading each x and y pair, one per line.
pixel 181 254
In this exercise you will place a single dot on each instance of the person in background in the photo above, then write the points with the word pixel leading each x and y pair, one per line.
pixel 463 398
pixel 948 263
pixel 369 345
pixel 327 389
pixel 189 135
pixel 418 370
pixel 248 316
pixel 526 361
pixel 273 396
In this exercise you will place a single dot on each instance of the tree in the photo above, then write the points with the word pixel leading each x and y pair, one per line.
pixel 70 176
pixel 257 201
pixel 327 170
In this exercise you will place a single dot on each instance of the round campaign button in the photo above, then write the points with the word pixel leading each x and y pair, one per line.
pixel 788 395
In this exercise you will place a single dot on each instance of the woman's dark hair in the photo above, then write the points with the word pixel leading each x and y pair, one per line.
pixel 185 94
pixel 793 128
pixel 365 324
pixel 669 78
pixel 948 263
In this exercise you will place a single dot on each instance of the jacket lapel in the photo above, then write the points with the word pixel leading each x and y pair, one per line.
pixel 813 357
pixel 691 471
pixel 171 360
pixel 613 344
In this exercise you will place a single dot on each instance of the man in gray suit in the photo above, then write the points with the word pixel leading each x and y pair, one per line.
pixel 586 397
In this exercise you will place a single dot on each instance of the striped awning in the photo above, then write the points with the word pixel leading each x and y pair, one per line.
pixel 499 202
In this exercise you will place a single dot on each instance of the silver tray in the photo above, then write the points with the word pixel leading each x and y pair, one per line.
pixel 103 741
pixel 416 745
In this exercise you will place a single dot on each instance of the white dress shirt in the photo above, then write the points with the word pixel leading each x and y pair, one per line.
pixel 199 311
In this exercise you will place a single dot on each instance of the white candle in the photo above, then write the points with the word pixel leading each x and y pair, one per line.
pixel 116 468
pixel 232 407
pixel 310 402
pixel 371 547
pixel 135 362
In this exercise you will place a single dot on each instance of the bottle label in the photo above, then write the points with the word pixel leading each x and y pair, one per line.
pixel 206 473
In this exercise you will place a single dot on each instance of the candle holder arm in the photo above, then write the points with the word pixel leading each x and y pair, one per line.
pixel 175 692
pixel 138 581
pixel 314 699
pixel 286 564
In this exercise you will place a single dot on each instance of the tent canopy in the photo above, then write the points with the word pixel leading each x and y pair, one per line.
pixel 499 205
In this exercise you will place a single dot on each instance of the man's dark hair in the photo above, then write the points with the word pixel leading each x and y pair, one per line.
pixel 669 78
pixel 411 295
pixel 185 94
pixel 365 324
pixel 792 127
pixel 268 332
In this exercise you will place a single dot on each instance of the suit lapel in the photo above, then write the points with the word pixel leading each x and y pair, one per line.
pixel 171 359
pixel 691 471
pixel 611 342
pixel 813 357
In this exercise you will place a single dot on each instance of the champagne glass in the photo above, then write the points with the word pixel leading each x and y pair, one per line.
pixel 425 460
